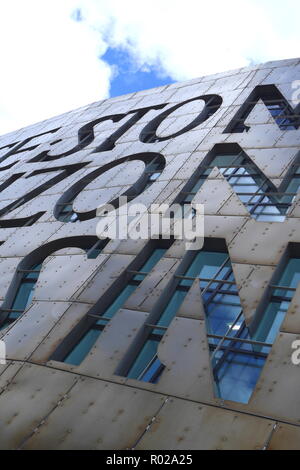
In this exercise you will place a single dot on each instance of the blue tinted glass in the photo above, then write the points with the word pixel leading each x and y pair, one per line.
pixel 154 176
pixel 67 214
pixel 119 301
pixel 157 254
pixel 291 275
pixel 152 372
pixel 171 308
pixel 293 186
pixel 236 372
pixel 244 177
pixel 102 322
pixel 29 299
pixel 195 188
pixel 206 264
pixel 35 275
pixel 82 348
pixel 14 315
pixel 221 317
pixel 5 325
pixel 226 160
pixel 144 358
pixel 251 184
pixel 77 354
pixel 271 322
pixel 23 296
pixel 154 165
pixel 80 351
pixel 92 254
pixel 271 218
pixel 276 310
pixel 95 251
pixel 238 375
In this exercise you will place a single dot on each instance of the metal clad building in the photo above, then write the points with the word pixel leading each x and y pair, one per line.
pixel 109 344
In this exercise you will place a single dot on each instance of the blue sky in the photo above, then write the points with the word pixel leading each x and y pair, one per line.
pixel 129 78
pixel 59 55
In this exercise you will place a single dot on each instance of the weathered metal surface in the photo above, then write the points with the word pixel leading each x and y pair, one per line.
pixel 62 276
pixel 28 332
pixel 68 315
pixel 285 437
pixel 291 322
pixel 104 277
pixel 41 405
pixel 184 351
pixel 276 393
pixel 183 425
pixel 111 416
pixel 192 305
pixel 26 402
pixel 264 242
pixel 252 282
pixel 153 286
pixel 112 344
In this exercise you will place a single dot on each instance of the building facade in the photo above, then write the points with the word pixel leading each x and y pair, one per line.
pixel 141 343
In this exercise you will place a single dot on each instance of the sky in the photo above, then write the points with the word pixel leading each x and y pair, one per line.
pixel 58 55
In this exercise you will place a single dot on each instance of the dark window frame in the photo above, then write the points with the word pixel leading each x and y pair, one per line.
pixel 37 257
pixel 105 301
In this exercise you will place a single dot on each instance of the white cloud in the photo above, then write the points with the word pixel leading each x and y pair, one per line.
pixel 193 38
pixel 51 64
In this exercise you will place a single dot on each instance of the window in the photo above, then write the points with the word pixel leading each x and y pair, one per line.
pixel 206 264
pixel 96 249
pixel 23 296
pixel 262 199
pixel 236 366
pixel 21 290
pixel 188 196
pixel 100 318
pixel 153 171
pixel 254 189
pixel 285 117
pixel 281 295
pixel 66 213
pixel 278 110
pixel 238 352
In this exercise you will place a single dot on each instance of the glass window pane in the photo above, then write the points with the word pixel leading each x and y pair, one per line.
pixel 172 308
pixel 220 318
pixel 23 296
pixel 5 325
pixel 119 301
pixel 83 347
pixel 271 322
pixel 157 254
pixel 280 301
pixel 238 376
pixel 144 358
pixel 206 264
pixel 80 351
pixel 291 275
pixel 153 372
pixel 35 275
